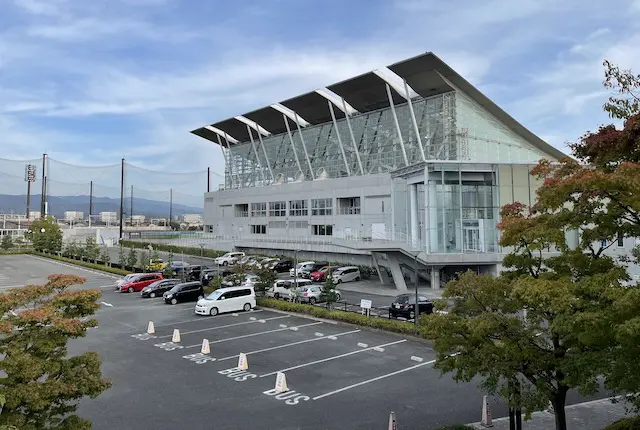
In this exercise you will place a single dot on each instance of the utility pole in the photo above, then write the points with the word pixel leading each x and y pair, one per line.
pixel 43 195
pixel 90 200
pixel 121 197
pixel 170 206
pixel 131 208
pixel 208 179
pixel 416 311
pixel 29 177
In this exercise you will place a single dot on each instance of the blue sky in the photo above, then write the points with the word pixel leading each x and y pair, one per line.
pixel 92 81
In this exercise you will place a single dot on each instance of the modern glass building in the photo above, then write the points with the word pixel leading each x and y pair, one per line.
pixel 408 162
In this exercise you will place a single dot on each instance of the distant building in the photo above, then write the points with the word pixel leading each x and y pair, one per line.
pixel 108 217
pixel 73 216
pixel 137 219
pixel 192 219
pixel 34 215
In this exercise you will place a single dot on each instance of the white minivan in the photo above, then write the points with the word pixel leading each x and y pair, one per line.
pixel 229 299
pixel 305 265
pixel 346 274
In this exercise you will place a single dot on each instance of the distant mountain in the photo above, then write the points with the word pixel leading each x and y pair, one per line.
pixel 58 205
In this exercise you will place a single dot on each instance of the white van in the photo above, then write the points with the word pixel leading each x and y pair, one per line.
pixel 281 288
pixel 228 258
pixel 229 299
pixel 305 265
pixel 346 274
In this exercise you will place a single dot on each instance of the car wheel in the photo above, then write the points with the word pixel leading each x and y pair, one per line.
pixel 152 295
pixel 174 301
pixel 339 281
pixel 337 297
pixel 246 307
pixel 131 289
pixel 276 296
pixel 312 300
pixel 358 278
pixel 213 312
pixel 225 263
pixel 412 315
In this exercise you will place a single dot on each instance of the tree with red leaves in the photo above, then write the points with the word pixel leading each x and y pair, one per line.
pixel 40 383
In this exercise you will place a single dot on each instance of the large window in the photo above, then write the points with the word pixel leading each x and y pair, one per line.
pixel 298 208
pixel 322 230
pixel 349 205
pixel 258 209
pixel 277 208
pixel 321 206
pixel 259 229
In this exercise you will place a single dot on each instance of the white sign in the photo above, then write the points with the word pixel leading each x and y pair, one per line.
pixel 242 362
pixel 365 304
pixel 281 383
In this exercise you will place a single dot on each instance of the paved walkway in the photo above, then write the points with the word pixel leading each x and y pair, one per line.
pixel 593 415
pixel 373 286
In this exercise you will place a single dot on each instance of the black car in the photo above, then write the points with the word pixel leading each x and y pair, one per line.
pixel 282 266
pixel 192 273
pixel 404 306
pixel 158 288
pixel 187 292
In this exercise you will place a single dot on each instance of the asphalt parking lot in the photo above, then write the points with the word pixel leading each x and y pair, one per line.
pixel 338 376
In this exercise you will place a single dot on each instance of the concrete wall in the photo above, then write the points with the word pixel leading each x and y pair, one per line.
pixel 374 191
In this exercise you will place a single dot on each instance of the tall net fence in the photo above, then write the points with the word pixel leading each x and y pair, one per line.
pixel 96 189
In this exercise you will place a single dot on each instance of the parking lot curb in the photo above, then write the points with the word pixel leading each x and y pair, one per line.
pixel 338 322
pixel 77 266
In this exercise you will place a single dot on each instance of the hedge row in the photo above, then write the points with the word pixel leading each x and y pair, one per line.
pixel 632 423
pixel 394 326
pixel 188 250
pixel 100 267
pixel 15 251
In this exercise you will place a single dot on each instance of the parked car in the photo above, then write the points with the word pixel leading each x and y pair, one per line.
pixel 128 278
pixel 206 276
pixel 281 266
pixel 227 300
pixel 313 294
pixel 306 272
pixel 192 273
pixel 305 265
pixel 246 260
pixel 346 274
pixel 158 288
pixel 186 292
pixel 404 306
pixel 156 265
pixel 282 287
pixel 139 282
pixel 178 266
pixel 320 275
pixel 232 280
pixel 229 258
pixel 265 263
pixel 250 281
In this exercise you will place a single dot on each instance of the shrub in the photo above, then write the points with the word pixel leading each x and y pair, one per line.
pixel 394 326
pixel 632 423
pixel 187 250
pixel 15 252
pixel 98 267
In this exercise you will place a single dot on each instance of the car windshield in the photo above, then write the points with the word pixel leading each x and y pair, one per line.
pixel 401 299
pixel 214 296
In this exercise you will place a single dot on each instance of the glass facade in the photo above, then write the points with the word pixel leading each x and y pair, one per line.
pixel 375 136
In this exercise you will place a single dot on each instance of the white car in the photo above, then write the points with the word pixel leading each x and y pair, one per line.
pixel 304 266
pixel 346 274
pixel 228 258
pixel 282 287
pixel 230 299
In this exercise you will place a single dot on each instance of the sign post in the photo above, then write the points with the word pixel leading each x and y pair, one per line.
pixel 366 306
pixel 393 425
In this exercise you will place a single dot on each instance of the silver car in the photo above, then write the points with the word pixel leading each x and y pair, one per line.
pixel 313 294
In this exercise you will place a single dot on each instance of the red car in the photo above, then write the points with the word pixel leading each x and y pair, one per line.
pixel 139 282
pixel 321 275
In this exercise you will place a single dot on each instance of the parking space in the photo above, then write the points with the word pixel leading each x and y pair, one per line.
pixel 337 375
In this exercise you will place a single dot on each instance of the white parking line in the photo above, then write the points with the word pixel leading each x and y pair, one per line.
pixel 348 387
pixel 335 357
pixel 195 319
pixel 223 326
pixel 249 335
pixel 290 344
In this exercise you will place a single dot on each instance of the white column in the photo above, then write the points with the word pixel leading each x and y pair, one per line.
pixel 413 208
pixel 435 278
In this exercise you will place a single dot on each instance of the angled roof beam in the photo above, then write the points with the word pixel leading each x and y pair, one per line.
pixel 253 125
pixel 336 100
pixel 221 133
pixel 301 122
pixel 395 82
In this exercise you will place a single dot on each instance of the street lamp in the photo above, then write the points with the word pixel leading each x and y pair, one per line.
pixel 201 252
pixel 416 312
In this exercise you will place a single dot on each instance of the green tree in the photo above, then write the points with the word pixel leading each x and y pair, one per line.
pixel 143 260
pixel 105 257
pixel 132 259
pixel 266 278
pixel 42 383
pixel 92 250
pixel 45 235
pixel 154 254
pixel 122 257
pixel 7 242
pixel 627 85
pixel 328 293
